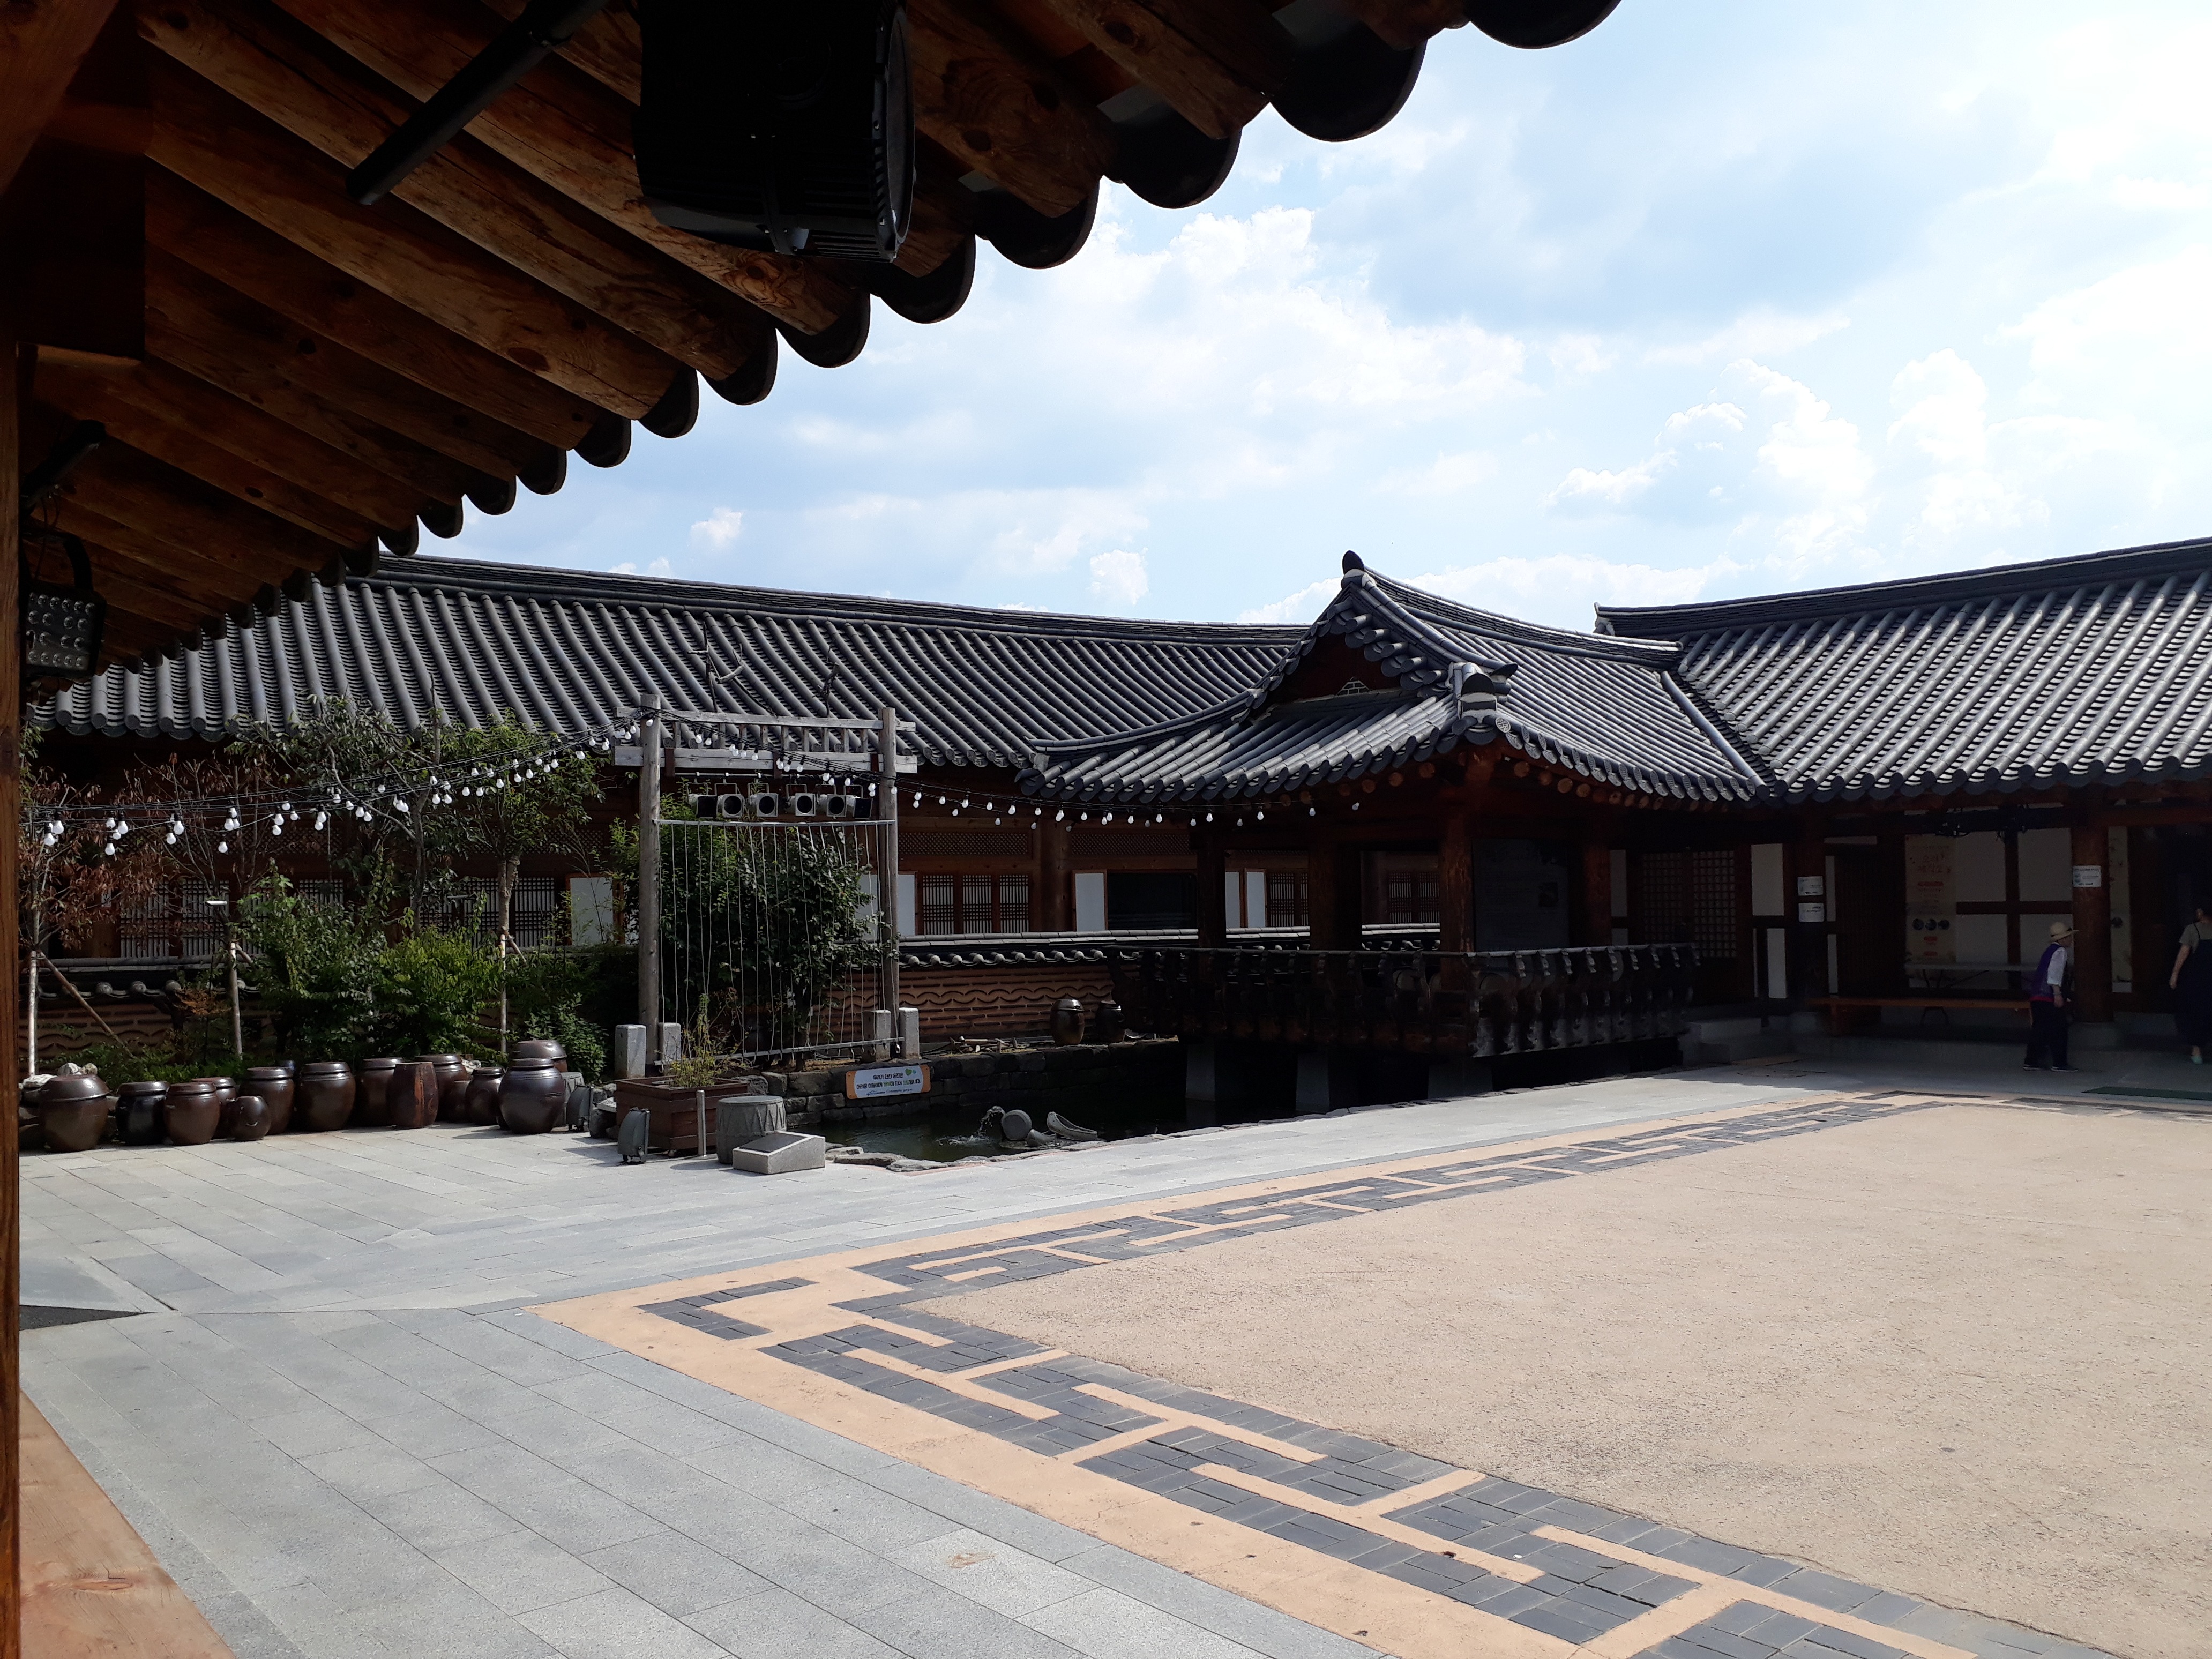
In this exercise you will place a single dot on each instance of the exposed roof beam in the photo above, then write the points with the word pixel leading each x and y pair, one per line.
pixel 231 248
pixel 203 134
pixel 571 131
pixel 264 57
pixel 42 42
pixel 1171 46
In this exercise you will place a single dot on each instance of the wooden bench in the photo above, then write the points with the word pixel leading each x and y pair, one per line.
pixel 1850 1011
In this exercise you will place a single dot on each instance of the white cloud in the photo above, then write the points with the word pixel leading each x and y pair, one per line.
pixel 629 568
pixel 719 529
pixel 1299 607
pixel 1120 576
pixel 1562 587
pixel 1762 332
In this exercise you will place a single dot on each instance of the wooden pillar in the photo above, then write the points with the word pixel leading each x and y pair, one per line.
pixel 1333 892
pixel 1456 884
pixel 1594 917
pixel 13 394
pixel 2093 924
pixel 1809 911
pixel 1212 899
pixel 1055 889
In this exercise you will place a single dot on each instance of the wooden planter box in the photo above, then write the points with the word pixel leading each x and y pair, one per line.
pixel 680 1123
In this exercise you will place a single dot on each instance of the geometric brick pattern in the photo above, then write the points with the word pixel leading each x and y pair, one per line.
pixel 1573 1571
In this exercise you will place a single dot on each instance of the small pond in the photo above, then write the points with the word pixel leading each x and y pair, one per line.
pixel 946 1136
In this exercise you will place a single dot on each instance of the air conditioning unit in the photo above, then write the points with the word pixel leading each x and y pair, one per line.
pixel 785 128
pixel 764 805
pixel 804 805
pixel 730 806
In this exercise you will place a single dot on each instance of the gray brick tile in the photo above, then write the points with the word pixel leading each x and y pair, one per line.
pixel 778 1624
pixel 614 1624
pixel 519 1571
pixel 677 1574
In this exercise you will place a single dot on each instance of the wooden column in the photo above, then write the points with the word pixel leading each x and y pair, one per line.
pixel 14 392
pixel 1456 884
pixel 1212 901
pixel 2092 926
pixel 1333 892
pixel 1055 896
pixel 1809 940
pixel 1595 917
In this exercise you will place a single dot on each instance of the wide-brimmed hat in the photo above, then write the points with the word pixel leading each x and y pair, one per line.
pixel 2061 930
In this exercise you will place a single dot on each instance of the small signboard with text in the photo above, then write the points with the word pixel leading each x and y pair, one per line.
pixel 881 1082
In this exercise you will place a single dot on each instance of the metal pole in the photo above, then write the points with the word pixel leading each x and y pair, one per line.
pixel 648 875
pixel 887 768
pixel 237 1016
pixel 31 1018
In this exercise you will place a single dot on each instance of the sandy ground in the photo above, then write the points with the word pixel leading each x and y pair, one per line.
pixel 1966 1353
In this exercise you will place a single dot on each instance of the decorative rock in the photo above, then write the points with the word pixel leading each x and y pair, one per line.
pixel 1014 1125
pixel 780 1154
pixel 372 1101
pixel 412 1095
pixel 1067 1021
pixel 742 1118
pixel 1062 1127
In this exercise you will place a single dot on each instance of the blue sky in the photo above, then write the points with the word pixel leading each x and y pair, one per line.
pixel 1723 298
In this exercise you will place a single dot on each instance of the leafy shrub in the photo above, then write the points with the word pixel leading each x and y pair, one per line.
pixel 430 989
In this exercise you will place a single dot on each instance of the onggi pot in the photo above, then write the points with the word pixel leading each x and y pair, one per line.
pixel 249 1118
pixel 325 1095
pixel 193 1112
pixel 139 1113
pixel 73 1111
pixel 272 1084
pixel 542 1049
pixel 411 1097
pixel 453 1084
pixel 372 1104
pixel 535 1096
pixel 481 1104
pixel 1067 1021
pixel 226 1095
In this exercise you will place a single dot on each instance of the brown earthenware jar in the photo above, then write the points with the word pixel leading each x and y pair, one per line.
pixel 453 1084
pixel 249 1118
pixel 138 1108
pixel 73 1111
pixel 1067 1021
pixel 411 1097
pixel 326 1095
pixel 481 1104
pixel 194 1112
pixel 1111 1025
pixel 226 1096
pixel 272 1084
pixel 535 1096
pixel 542 1049
pixel 372 1106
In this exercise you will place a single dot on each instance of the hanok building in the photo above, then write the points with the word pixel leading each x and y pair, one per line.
pixel 1410 829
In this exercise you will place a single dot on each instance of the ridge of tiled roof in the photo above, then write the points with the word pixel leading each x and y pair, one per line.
pixel 1680 621
pixel 578 651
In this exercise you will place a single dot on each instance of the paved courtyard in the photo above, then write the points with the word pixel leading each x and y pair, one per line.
pixel 329 1407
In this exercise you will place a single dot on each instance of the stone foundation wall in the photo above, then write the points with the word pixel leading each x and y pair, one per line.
pixel 1068 1079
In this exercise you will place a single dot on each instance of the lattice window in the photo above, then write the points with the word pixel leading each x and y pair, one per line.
pixel 147 927
pixel 1014 904
pixel 1410 898
pixel 976 896
pixel 1663 902
pixel 534 920
pixel 1713 926
pixel 940 911
pixel 199 924
pixel 1287 903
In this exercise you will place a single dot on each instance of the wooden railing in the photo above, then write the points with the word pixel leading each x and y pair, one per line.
pixel 1472 1004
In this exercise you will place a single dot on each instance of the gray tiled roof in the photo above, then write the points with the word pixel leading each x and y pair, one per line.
pixel 2070 671
pixel 570 651
pixel 1611 709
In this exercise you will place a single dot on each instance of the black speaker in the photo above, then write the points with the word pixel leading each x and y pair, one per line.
pixel 785 128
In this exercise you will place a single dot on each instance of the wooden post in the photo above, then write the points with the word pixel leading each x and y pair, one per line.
pixel 2093 924
pixel 1455 885
pixel 1596 916
pixel 887 901
pixel 1054 900
pixel 1332 893
pixel 649 874
pixel 1212 897
pixel 17 361
pixel 1808 938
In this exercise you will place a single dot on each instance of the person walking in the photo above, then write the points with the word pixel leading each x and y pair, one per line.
pixel 2191 984
pixel 2046 1004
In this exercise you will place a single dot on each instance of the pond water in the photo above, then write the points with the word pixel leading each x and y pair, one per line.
pixel 945 1136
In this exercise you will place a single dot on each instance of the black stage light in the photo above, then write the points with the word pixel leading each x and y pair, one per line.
pixel 62 626
pixel 785 128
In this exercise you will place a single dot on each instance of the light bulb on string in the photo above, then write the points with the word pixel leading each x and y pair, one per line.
pixel 222 847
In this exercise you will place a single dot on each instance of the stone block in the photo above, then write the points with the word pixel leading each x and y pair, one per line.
pixel 670 1043
pixel 740 1120
pixel 780 1154
pixel 628 1057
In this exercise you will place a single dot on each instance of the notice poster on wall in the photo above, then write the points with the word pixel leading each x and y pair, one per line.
pixel 1931 905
